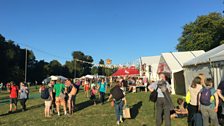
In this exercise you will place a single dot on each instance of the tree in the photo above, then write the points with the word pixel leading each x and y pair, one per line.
pixel 205 33
pixel 101 70
pixel 94 70
pixel 82 63
pixel 68 69
pixel 55 68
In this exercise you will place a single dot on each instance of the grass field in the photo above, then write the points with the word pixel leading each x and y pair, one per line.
pixel 85 115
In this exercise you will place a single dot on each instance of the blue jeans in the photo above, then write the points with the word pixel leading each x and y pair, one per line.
pixel 102 97
pixel 118 109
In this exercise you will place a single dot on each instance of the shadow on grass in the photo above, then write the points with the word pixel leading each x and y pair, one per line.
pixel 88 103
pixel 135 110
pixel 83 105
pixel 20 110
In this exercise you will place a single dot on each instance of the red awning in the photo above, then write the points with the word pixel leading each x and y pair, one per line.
pixel 126 72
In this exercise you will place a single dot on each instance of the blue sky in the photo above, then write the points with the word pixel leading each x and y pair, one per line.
pixel 122 30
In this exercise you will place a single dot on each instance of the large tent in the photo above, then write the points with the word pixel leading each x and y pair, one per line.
pixel 54 78
pixel 149 66
pixel 210 63
pixel 172 65
pixel 131 71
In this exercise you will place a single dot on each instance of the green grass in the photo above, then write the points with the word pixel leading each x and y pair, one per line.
pixel 87 115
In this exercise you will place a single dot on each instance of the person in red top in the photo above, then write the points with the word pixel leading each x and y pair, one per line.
pixel 13 89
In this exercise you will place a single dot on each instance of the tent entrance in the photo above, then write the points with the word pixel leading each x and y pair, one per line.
pixel 179 83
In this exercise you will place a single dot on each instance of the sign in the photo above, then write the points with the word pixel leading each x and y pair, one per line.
pixel 108 61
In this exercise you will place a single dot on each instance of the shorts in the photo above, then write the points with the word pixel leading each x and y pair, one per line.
pixel 86 88
pixel 13 101
pixel 60 101
pixel 48 103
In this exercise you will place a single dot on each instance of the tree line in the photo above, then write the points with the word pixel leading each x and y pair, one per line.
pixel 205 33
pixel 13 57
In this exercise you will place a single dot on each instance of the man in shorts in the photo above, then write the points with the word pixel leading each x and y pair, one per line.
pixel 13 89
pixel 59 90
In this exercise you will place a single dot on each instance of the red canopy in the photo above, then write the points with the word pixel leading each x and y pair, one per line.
pixel 126 72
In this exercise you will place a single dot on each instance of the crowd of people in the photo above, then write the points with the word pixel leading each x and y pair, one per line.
pixel 17 93
pixel 201 99
pixel 204 105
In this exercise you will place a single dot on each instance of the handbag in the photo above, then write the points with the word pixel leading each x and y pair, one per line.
pixel 153 96
pixel 126 113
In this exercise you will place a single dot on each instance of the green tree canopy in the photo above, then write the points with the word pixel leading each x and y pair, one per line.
pixel 205 33
pixel 101 70
pixel 83 63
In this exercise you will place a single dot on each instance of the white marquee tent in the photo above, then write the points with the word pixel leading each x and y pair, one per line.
pixel 210 63
pixel 149 66
pixel 172 64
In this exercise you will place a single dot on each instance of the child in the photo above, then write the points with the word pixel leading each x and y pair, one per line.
pixel 181 110
pixel 93 94
pixel 209 103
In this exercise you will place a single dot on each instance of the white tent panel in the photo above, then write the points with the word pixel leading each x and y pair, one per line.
pixel 218 57
pixel 204 58
pixel 152 61
pixel 172 62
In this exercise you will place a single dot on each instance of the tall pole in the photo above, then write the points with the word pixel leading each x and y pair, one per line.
pixel 25 66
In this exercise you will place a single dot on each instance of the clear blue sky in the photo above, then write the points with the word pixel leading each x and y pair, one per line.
pixel 122 30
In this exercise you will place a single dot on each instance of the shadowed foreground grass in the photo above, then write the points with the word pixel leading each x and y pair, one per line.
pixel 86 114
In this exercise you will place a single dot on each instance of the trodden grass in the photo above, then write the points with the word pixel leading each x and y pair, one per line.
pixel 86 114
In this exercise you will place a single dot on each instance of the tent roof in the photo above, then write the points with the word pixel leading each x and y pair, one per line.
pixel 218 57
pixel 215 55
pixel 149 60
pixel 126 71
pixel 175 60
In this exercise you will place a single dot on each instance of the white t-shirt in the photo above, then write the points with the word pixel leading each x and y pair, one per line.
pixel 194 94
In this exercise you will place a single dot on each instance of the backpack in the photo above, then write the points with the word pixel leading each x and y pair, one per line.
pixel 45 93
pixel 205 96
pixel 117 93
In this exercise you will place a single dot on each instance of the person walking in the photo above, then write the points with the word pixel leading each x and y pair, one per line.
pixel 163 103
pixel 102 89
pixel 13 90
pixel 23 95
pixel 119 101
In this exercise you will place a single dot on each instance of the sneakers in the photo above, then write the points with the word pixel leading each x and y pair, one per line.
pixel 59 114
pixel 121 120
pixel 118 122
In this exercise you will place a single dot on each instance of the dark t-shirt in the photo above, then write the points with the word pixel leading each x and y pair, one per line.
pixel 125 83
pixel 221 87
pixel 69 89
